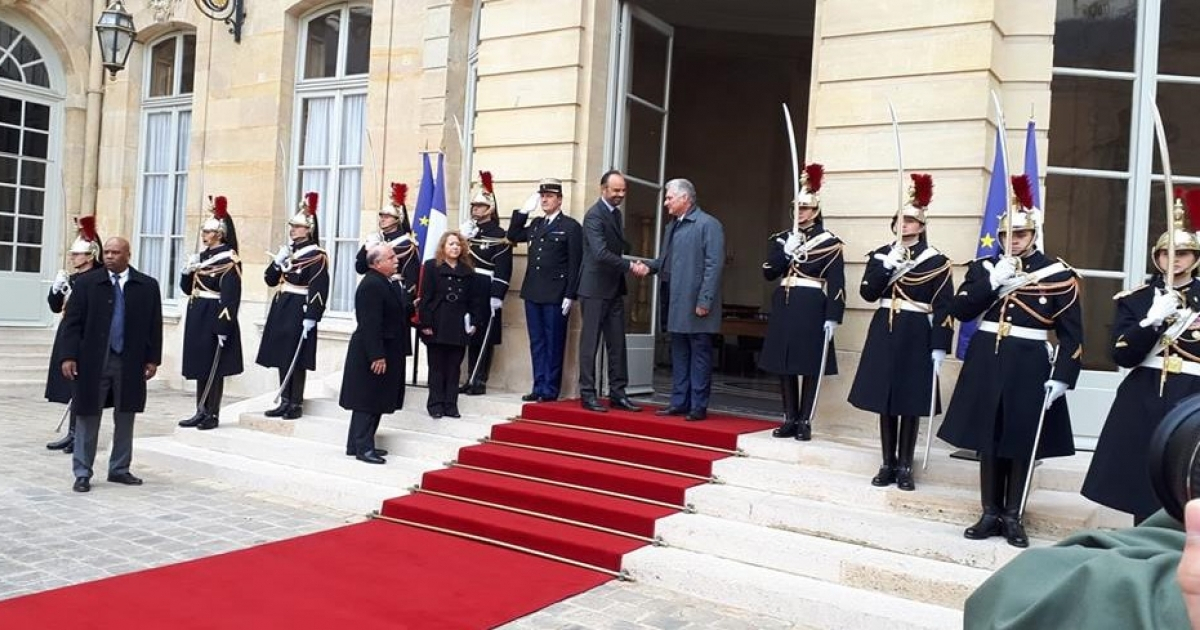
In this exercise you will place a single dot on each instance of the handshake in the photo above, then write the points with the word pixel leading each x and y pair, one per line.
pixel 639 269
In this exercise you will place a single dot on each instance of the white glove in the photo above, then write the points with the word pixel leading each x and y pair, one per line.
pixel 794 240
pixel 192 263
pixel 938 356
pixel 1054 391
pixel 282 256
pixel 531 203
pixel 309 324
pixel 1164 306
pixel 468 229
pixel 60 282
pixel 1003 272
pixel 373 239
pixel 830 326
pixel 221 340
pixel 566 306
pixel 894 258
pixel 467 324
pixel 496 303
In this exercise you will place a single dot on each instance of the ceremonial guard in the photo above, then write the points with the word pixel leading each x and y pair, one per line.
pixel 1156 335
pixel 395 230
pixel 300 274
pixel 85 256
pixel 491 255
pixel 1012 379
pixel 909 336
pixel 551 283
pixel 449 309
pixel 806 307
pixel 212 340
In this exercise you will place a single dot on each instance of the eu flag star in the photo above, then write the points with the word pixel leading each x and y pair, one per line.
pixel 425 221
pixel 987 241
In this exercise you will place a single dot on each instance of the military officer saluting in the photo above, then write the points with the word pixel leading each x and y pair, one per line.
pixel 909 336
pixel 300 273
pixel 551 283
pixel 491 254
pixel 213 280
pixel 806 307
pixel 1011 374
pixel 85 257
pixel 1156 335
pixel 395 229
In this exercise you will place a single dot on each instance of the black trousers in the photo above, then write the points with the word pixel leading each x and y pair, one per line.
pixel 212 404
pixel 294 393
pixel 603 319
pixel 445 368
pixel 361 436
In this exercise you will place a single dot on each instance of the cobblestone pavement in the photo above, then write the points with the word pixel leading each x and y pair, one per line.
pixel 54 537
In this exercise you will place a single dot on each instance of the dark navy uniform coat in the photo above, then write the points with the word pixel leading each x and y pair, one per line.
pixel 219 276
pixel 309 271
pixel 555 252
pixel 491 252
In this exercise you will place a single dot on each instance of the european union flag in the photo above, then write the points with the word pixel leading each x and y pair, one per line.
pixel 997 204
pixel 429 220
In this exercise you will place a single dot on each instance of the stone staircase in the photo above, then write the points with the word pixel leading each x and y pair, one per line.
pixel 794 530
pixel 24 359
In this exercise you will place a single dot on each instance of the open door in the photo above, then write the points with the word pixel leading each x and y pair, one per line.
pixel 642 104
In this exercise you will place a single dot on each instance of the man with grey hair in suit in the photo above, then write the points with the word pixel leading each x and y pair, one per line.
pixel 689 266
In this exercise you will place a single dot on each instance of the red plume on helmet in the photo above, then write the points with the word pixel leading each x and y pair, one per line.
pixel 1023 191
pixel 922 190
pixel 221 208
pixel 311 199
pixel 486 178
pixel 814 174
pixel 1191 200
pixel 87 228
pixel 399 194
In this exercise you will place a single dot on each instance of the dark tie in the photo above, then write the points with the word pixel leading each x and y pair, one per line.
pixel 116 332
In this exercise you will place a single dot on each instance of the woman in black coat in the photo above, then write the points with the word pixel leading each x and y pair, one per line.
pixel 450 308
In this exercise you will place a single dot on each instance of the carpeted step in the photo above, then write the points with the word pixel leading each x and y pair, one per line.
pixel 647 484
pixel 720 431
pixel 568 541
pixel 621 514
pixel 667 456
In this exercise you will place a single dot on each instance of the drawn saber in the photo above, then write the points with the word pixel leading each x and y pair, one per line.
pixel 1003 149
pixel 483 348
pixel 820 376
pixel 66 412
pixel 1037 438
pixel 933 396
pixel 791 131
pixel 1161 134
pixel 287 378
pixel 212 374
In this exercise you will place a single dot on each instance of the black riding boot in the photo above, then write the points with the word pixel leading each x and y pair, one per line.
pixel 285 398
pixel 1012 519
pixel 212 406
pixel 197 417
pixel 808 395
pixel 67 442
pixel 909 427
pixel 991 489
pixel 887 439
pixel 296 400
pixel 789 388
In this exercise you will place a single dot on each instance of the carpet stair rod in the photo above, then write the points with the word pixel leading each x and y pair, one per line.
pixel 637 436
pixel 688 508
pixel 607 460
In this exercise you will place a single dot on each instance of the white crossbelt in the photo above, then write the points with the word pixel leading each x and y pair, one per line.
pixel 486 272
pixel 294 289
pixel 1020 332
pixel 905 305
pixel 807 283
pixel 1174 365
pixel 208 295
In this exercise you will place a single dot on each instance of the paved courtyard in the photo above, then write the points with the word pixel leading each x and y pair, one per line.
pixel 55 537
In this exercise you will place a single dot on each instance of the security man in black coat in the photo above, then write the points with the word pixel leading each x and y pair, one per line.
pixel 373 380
pixel 1156 335
pixel 492 256
pixel 909 336
pixel 213 280
pixel 806 307
pixel 85 256
pixel 1011 372
pixel 551 283
pixel 300 273
pixel 395 229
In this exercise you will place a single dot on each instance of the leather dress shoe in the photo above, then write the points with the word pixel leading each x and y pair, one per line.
pixel 478 389
pixel 378 451
pixel 278 411
pixel 591 404
pixel 788 429
pixel 198 417
pixel 547 398
pixel 671 411
pixel 987 526
pixel 209 423
pixel 63 442
pixel 804 430
pixel 885 477
pixel 531 397
pixel 904 479
pixel 125 479
pixel 435 415
pixel 293 412
pixel 453 414
pixel 82 484
pixel 371 457
pixel 697 415
pixel 624 404
pixel 1013 530
pixel 69 448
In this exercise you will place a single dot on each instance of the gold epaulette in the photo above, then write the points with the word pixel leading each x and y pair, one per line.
pixel 1067 265
pixel 783 235
pixel 1129 292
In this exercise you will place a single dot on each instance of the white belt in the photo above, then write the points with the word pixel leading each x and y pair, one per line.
pixel 807 283
pixel 905 305
pixel 288 287
pixel 1174 365
pixel 1020 332
pixel 486 272
pixel 208 295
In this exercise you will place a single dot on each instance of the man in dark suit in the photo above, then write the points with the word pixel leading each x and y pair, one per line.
pixel 602 295
pixel 112 345
pixel 551 283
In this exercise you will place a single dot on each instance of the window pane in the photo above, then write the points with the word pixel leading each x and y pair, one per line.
pixel 644 142
pixel 162 68
pixel 8 199
pixel 33 174
pixel 32 203
pixel 187 70
pixel 36 144
pixel 8 35
pixel 10 110
pixel 37 75
pixel 37 116
pixel 158 143
pixel 25 52
pixel 1177 103
pixel 650 51
pixel 341 295
pixel 177 218
pixel 1179 48
pixel 156 204
pixel 641 228
pixel 1097 35
pixel 358 44
pixel 29 231
pixel 183 135
pixel 1089 126
pixel 6 258
pixel 1095 299
pixel 322 46
pixel 1085 221
pixel 318 113
pixel 9 70
pixel 354 111
pixel 349 203
pixel 175 262
pixel 29 259
pixel 10 142
pixel 8 168
pixel 8 229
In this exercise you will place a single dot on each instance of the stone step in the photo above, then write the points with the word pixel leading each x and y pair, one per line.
pixel 808 601
pixel 26 348
pixel 920 579
pixel 22 371
pixel 434 447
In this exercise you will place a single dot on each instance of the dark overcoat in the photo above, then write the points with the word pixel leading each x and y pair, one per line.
pixel 1118 474
pixel 215 290
pixel 408 259
pixel 555 252
pixel 796 328
pixel 381 308
pixel 58 388
pixel 85 338
pixel 447 294
pixel 491 252
pixel 302 292
pixel 895 374
pixel 1000 390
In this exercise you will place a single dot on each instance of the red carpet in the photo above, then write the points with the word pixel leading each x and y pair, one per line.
pixel 386 575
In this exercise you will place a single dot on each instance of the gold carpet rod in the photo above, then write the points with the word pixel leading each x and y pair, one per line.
pixel 622 575
pixel 607 460
pixel 687 508
pixel 716 449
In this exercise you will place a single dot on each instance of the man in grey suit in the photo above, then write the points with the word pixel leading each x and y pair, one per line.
pixel 602 295
pixel 689 266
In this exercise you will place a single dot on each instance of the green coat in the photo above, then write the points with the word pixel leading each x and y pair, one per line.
pixel 1123 579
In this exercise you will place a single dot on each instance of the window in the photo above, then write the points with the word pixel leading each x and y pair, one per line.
pixel 24 151
pixel 163 166
pixel 331 109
